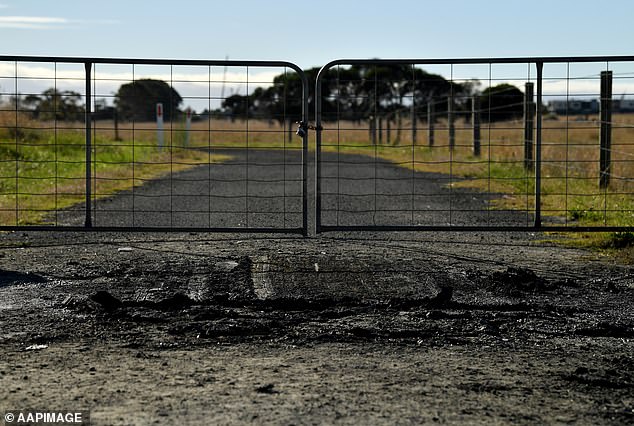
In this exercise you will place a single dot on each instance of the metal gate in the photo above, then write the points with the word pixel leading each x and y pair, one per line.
pixel 142 145
pixel 476 144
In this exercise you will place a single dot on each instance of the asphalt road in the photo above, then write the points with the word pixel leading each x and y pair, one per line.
pixel 262 189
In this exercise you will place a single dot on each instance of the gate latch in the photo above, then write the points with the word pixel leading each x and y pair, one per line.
pixel 302 127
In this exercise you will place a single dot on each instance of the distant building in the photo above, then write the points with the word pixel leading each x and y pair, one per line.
pixel 624 105
pixel 574 106
pixel 592 106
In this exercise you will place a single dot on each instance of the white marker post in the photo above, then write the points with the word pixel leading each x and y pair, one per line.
pixel 159 125
pixel 188 124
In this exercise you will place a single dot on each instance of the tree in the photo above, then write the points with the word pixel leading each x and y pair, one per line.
pixel 281 101
pixel 137 100
pixel 501 102
pixel 352 93
pixel 55 105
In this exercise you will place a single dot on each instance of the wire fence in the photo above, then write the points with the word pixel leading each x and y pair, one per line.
pixel 90 143
pixel 483 144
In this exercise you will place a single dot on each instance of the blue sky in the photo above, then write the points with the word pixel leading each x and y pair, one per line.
pixel 312 33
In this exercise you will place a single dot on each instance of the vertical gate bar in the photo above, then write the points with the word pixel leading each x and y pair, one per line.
pixel 209 151
pixel 17 148
pixel 318 131
pixel 285 115
pixel 56 149
pixel 246 196
pixel 171 100
pixel 88 124
pixel 305 92
pixel 538 147
pixel 376 114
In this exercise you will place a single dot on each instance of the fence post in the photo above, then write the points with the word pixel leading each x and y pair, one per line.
pixel 388 129
pixel 431 119
pixel 414 124
pixel 450 122
pixel 88 129
pixel 606 129
pixel 373 129
pixel 529 121
pixel 538 147
pixel 116 125
pixel 380 130
pixel 475 120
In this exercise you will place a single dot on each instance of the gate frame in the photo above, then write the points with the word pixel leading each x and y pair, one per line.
pixel 537 225
pixel 88 64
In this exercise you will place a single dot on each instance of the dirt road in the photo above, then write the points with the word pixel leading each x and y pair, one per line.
pixel 343 328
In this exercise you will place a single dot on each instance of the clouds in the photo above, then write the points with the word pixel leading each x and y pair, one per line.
pixel 32 22
pixel 25 21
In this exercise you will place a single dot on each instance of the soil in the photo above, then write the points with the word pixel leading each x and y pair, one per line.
pixel 451 328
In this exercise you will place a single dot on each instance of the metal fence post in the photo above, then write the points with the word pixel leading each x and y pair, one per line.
pixel 538 148
pixel 388 131
pixel 605 136
pixel 88 129
pixel 529 119
pixel 475 120
pixel 414 124
pixel 431 119
pixel 380 131
pixel 450 122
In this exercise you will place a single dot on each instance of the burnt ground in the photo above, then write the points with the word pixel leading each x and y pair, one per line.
pixel 341 328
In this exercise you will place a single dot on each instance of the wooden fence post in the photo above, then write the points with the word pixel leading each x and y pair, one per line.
pixel 431 119
pixel 475 120
pixel 529 121
pixel 414 124
pixel 290 131
pixel 450 122
pixel 606 129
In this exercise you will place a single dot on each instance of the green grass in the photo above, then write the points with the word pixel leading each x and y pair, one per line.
pixel 43 172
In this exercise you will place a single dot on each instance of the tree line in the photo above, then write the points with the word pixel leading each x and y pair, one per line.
pixel 360 92
pixel 353 93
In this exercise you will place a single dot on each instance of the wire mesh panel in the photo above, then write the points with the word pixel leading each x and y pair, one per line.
pixel 145 144
pixel 535 143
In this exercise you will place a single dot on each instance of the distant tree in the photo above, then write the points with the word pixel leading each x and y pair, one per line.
pixel 351 93
pixel 55 105
pixel 501 102
pixel 137 100
pixel 281 101
pixel 102 111
pixel 236 106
